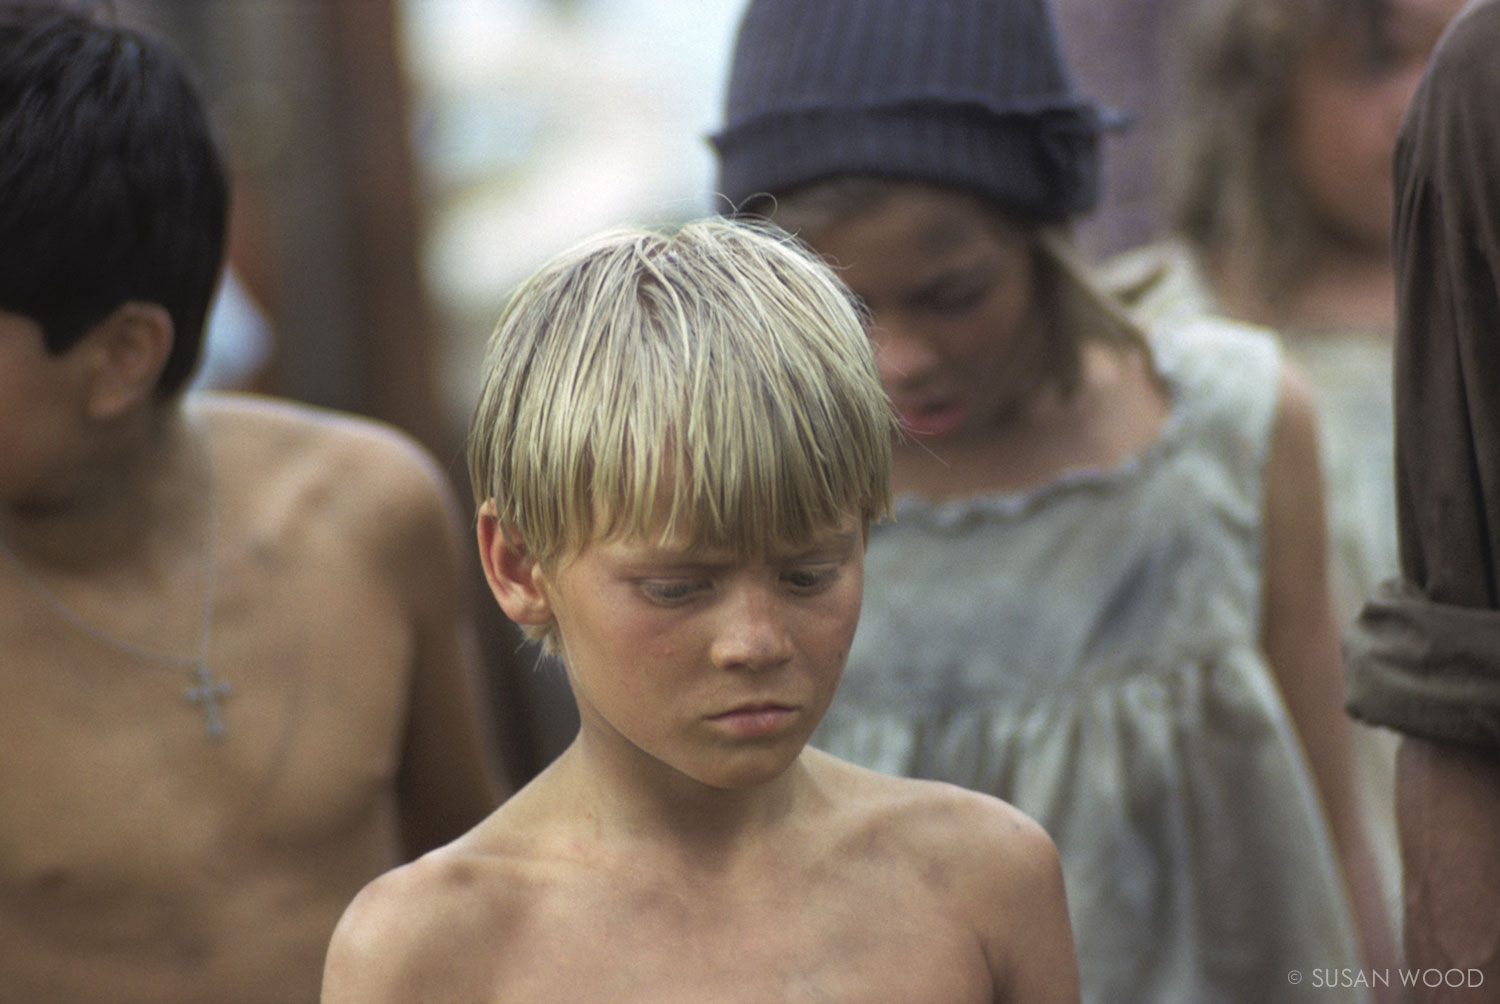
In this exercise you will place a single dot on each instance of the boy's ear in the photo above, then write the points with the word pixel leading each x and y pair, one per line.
pixel 513 573
pixel 128 350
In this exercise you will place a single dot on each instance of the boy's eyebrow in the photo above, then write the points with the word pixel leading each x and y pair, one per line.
pixel 675 555
pixel 666 555
pixel 841 540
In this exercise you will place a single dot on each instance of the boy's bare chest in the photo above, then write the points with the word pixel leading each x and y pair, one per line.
pixel 823 941
pixel 290 658
pixel 125 821
pixel 275 630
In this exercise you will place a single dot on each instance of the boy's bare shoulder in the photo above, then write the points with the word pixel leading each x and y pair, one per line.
pixel 291 434
pixel 437 925
pixel 368 478
pixel 987 860
pixel 936 818
pixel 409 931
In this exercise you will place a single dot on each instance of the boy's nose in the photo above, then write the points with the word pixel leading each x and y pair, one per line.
pixel 752 633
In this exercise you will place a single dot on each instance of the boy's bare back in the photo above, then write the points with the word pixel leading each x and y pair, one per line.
pixel 143 860
pixel 863 889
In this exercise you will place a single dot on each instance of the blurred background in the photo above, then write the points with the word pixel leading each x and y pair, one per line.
pixel 401 164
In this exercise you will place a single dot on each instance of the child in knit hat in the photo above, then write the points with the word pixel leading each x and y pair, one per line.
pixel 679 450
pixel 1104 597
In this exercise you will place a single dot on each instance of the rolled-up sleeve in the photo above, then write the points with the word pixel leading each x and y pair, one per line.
pixel 1424 655
pixel 1427 669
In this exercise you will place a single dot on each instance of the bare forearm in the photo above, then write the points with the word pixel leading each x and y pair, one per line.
pixel 1448 805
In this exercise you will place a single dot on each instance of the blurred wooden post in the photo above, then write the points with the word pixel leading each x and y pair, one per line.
pixel 313 102
pixel 392 340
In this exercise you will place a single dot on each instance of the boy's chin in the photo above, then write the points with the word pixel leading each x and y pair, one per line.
pixel 744 770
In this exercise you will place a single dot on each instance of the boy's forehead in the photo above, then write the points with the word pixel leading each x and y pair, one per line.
pixel 687 538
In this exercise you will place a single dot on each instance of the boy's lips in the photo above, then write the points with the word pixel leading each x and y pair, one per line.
pixel 755 719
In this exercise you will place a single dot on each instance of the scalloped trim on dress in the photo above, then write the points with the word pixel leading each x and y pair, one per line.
pixel 951 513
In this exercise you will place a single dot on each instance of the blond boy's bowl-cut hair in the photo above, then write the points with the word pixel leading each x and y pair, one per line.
pixel 712 384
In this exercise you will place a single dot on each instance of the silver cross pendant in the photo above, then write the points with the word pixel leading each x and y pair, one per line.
pixel 208 692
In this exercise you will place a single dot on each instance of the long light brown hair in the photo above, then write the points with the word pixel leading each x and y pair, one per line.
pixel 1229 166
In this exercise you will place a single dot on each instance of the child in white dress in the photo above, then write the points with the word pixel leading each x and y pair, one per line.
pixel 1104 596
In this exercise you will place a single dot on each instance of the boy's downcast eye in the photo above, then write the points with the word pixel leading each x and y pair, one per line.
pixel 809 580
pixel 673 591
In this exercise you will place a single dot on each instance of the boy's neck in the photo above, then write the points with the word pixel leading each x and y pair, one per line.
pixel 144 474
pixel 657 808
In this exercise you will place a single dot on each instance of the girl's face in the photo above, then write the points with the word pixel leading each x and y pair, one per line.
pixel 1347 101
pixel 951 292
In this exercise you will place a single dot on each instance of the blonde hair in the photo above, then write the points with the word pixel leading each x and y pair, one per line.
pixel 1074 302
pixel 714 382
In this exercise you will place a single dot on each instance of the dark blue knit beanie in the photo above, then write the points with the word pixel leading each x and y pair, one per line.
pixel 969 94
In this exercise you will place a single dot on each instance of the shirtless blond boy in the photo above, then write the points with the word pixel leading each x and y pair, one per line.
pixel 235 684
pixel 680 446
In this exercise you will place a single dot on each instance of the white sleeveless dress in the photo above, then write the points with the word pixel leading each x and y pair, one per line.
pixel 1088 651
pixel 1349 371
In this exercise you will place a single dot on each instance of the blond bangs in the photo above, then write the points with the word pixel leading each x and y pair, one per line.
pixel 713 385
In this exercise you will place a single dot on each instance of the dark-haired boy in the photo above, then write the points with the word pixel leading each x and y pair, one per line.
pixel 234 681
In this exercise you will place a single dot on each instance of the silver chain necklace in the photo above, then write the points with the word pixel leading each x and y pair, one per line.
pixel 205 690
